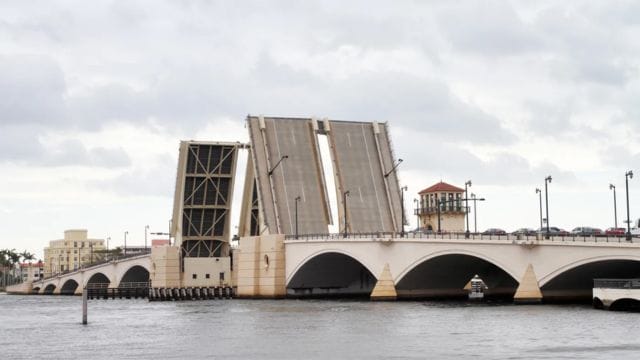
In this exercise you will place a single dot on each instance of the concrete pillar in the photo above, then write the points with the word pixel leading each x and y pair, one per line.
pixel 385 288
pixel 528 291
pixel 261 267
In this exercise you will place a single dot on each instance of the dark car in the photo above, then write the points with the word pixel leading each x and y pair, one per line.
pixel 586 231
pixel 613 231
pixel 553 231
pixel 525 232
pixel 494 231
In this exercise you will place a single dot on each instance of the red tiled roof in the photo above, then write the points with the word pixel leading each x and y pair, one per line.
pixel 440 187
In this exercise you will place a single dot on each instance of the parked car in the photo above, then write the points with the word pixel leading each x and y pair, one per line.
pixel 586 231
pixel 553 231
pixel 494 231
pixel 613 231
pixel 525 232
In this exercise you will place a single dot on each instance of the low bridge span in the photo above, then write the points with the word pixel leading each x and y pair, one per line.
pixel 113 274
pixel 429 266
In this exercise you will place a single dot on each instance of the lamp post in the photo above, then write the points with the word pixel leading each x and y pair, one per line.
pixel 146 228
pixel 415 201
pixel 539 192
pixel 628 175
pixel 615 206
pixel 466 205
pixel 278 163
pixel 475 217
pixel 297 199
pixel 393 168
pixel 547 180
pixel 125 242
pixel 402 190
pixel 344 205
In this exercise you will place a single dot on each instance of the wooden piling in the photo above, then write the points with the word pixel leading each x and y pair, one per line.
pixel 84 306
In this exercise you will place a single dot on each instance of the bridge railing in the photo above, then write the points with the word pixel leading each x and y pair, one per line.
pixel 97 263
pixel 461 235
pixel 616 283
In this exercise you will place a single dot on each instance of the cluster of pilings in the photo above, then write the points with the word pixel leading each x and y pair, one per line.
pixel 117 293
pixel 191 293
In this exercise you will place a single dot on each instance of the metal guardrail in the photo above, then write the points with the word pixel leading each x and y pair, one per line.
pixel 461 236
pixel 97 263
pixel 616 283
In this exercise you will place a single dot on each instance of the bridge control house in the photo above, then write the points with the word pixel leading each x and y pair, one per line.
pixel 451 212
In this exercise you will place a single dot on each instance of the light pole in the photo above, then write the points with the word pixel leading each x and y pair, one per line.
pixel 297 199
pixel 475 217
pixel 628 175
pixel 125 242
pixel 146 228
pixel 393 168
pixel 615 206
pixel 466 205
pixel 547 180
pixel 539 192
pixel 344 205
pixel 278 163
pixel 402 190
pixel 415 201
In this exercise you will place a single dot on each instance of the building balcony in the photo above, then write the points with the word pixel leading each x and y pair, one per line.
pixel 444 209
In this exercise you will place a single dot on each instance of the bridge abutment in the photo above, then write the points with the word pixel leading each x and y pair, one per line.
pixel 261 267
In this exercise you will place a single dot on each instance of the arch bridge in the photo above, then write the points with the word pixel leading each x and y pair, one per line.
pixel 428 266
pixel 117 273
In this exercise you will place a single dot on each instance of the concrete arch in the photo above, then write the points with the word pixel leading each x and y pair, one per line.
pixel 49 289
pixel 431 256
pixel 69 287
pixel 35 290
pixel 97 278
pixel 625 304
pixel 328 251
pixel 130 274
pixel 542 281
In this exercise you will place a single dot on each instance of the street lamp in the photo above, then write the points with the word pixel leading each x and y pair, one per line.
pixel 415 201
pixel 539 192
pixel 402 190
pixel 393 168
pixel 344 205
pixel 146 228
pixel 466 205
pixel 547 180
pixel 297 199
pixel 278 163
pixel 628 175
pixel 615 206
pixel 475 217
pixel 125 242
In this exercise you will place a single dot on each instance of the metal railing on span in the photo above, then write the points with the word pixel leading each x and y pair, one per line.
pixel 616 283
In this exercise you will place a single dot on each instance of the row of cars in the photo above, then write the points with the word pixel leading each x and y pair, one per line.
pixel 555 231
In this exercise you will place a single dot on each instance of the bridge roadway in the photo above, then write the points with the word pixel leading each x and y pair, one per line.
pixel 113 274
pixel 435 265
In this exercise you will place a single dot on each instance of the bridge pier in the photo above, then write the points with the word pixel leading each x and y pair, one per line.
pixel 528 291
pixel 385 289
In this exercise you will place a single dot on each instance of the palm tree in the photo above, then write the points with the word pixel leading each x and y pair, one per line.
pixel 27 256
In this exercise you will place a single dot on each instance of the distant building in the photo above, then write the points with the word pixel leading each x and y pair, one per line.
pixel 31 271
pixel 72 252
pixel 452 208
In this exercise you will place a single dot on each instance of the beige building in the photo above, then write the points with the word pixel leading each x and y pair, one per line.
pixel 452 208
pixel 72 252
pixel 32 271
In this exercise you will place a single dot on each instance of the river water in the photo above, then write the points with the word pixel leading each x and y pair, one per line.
pixel 50 327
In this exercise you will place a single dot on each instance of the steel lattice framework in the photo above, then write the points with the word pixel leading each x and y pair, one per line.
pixel 202 204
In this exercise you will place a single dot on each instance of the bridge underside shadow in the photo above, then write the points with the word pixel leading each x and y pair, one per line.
pixel 576 285
pixel 331 275
pixel 136 275
pixel 444 277
pixel 48 290
pixel 69 287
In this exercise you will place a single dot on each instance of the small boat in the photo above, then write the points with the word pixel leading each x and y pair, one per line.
pixel 477 288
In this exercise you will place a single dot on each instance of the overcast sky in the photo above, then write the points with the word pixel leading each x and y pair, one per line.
pixel 95 97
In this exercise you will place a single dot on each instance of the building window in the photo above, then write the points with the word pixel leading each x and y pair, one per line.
pixel 75 244
pixel 194 276
pixel 207 276
pixel 221 276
